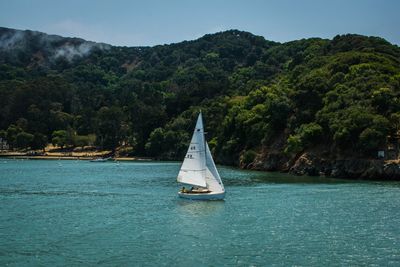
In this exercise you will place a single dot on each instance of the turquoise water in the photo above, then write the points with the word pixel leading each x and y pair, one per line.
pixel 57 213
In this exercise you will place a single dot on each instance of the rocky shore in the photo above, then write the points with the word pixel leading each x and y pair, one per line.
pixel 314 165
pixel 307 163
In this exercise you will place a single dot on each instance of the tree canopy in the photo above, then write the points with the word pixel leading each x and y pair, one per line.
pixel 256 95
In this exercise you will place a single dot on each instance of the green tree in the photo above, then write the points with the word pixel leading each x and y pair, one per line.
pixel 12 132
pixel 3 134
pixel 247 157
pixel 109 122
pixel 59 138
pixel 39 141
pixel 155 143
pixel 23 140
pixel 305 136
pixel 294 144
pixel 371 139
pixel 84 140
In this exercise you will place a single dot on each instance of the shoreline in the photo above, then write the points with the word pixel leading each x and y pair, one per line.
pixel 65 157
pixel 354 169
pixel 312 164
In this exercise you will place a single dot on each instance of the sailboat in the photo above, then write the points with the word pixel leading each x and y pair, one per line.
pixel 100 159
pixel 198 169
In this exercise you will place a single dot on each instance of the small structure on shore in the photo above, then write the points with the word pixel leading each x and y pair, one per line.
pixel 3 144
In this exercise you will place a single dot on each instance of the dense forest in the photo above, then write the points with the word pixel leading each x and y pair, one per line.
pixel 335 98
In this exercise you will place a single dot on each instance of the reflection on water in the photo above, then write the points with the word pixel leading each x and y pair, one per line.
pixel 234 177
pixel 199 208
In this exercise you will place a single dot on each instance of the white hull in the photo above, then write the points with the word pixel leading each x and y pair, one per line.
pixel 100 160
pixel 203 196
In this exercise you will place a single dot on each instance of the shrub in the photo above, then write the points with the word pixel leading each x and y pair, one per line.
pixel 247 157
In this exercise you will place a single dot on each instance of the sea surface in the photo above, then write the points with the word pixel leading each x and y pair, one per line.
pixel 81 213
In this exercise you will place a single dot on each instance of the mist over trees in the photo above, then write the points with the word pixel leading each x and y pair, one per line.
pixel 256 95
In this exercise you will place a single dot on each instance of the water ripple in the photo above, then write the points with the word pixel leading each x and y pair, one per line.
pixel 79 213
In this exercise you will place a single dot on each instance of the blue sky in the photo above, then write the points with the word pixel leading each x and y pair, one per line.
pixel 152 22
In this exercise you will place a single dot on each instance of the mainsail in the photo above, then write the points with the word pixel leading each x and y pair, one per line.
pixel 193 169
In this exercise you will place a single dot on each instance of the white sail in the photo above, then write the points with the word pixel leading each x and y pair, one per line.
pixel 213 180
pixel 193 169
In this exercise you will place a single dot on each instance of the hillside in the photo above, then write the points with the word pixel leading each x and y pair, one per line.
pixel 310 106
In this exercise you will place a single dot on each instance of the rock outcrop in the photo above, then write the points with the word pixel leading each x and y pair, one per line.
pixel 314 165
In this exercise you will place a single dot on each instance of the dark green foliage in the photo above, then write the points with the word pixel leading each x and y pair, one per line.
pixel 167 144
pixel 247 157
pixel 39 141
pixel 304 136
pixel 23 140
pixel 109 127
pixel 84 140
pixel 255 95
pixel 60 138
pixel 3 134
pixel 294 144
pixel 310 133
pixel 11 135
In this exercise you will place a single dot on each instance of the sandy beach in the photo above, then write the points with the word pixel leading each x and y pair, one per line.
pixel 52 153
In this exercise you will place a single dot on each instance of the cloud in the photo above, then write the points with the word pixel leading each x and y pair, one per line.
pixel 69 51
pixel 10 40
